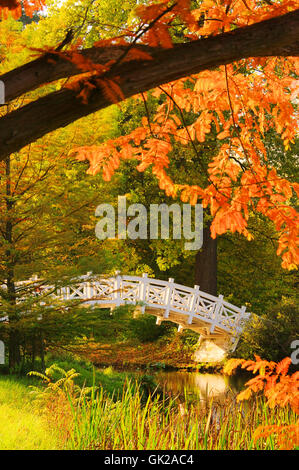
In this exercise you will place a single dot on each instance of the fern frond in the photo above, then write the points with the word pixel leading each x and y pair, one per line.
pixel 40 375
pixel 283 366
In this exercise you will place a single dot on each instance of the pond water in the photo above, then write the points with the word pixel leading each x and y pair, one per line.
pixel 200 386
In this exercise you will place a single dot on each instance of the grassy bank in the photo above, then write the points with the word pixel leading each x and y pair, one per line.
pixel 23 425
pixel 26 423
pixel 131 424
pixel 117 413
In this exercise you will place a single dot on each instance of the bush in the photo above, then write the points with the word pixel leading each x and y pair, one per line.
pixel 144 328
pixel 271 336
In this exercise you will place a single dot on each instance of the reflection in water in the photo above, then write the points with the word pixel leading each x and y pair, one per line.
pixel 199 386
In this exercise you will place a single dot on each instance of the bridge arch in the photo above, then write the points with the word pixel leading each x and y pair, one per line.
pixel 219 323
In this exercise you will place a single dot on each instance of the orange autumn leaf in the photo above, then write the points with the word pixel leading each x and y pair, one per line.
pixel 231 365
pixel 279 388
pixel 245 395
pixel 241 101
pixel 287 435
pixel 15 7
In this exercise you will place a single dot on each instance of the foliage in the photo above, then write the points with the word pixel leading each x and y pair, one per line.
pixel 205 138
pixel 238 180
pixel 144 328
pixel 15 7
pixel 88 375
pixel 139 417
pixel 271 334
pixel 65 384
pixel 47 222
pixel 273 380
pixel 23 425
pixel 164 423
pixel 279 388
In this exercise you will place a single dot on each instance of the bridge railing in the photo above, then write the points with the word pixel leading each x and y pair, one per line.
pixel 160 294
pixel 154 293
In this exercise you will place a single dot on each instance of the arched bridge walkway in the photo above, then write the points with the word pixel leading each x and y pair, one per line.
pixel 219 323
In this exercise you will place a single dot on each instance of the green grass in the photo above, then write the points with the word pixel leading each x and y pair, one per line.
pixel 23 427
pixel 132 424
pixel 109 379
pixel 120 416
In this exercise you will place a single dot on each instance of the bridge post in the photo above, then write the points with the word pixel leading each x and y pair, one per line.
pixel 168 297
pixel 142 293
pixel 86 290
pixel 243 316
pixel 117 286
pixel 64 293
pixel 67 293
pixel 89 287
pixel 216 312
pixel 193 304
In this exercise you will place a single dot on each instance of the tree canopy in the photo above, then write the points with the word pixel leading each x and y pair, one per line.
pixel 228 67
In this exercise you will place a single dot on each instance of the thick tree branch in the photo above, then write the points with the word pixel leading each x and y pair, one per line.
pixel 275 37
pixel 283 41
pixel 51 67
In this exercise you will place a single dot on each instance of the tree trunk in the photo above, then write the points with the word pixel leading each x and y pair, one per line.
pixel 42 349
pixel 14 334
pixel 14 348
pixel 206 264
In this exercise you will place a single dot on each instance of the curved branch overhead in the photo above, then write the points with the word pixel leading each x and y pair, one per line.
pixel 278 36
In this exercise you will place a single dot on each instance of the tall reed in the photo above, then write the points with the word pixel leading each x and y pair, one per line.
pixel 132 422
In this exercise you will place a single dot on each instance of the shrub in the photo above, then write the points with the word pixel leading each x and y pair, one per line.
pixel 280 390
pixel 270 336
pixel 144 328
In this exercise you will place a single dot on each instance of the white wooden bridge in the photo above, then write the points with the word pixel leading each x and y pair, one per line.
pixel 218 322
